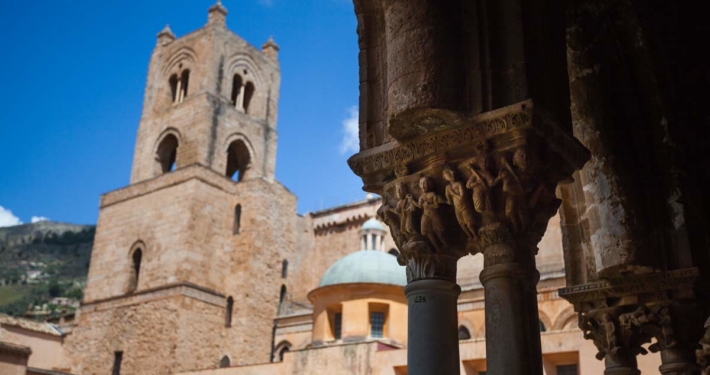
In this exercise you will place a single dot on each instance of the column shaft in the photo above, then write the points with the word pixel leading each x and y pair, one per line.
pixel 433 346
pixel 512 323
pixel 679 361
pixel 621 364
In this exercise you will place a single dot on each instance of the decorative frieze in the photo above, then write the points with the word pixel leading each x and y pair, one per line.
pixel 656 282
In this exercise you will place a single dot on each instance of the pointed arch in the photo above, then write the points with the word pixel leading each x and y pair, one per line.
pixel 545 322
pixel 240 154
pixel 466 327
pixel 166 151
pixel 282 348
pixel 565 318
pixel 184 55
pixel 464 333
pixel 225 362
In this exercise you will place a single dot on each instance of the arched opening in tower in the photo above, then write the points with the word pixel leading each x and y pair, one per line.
pixel 166 155
pixel 237 160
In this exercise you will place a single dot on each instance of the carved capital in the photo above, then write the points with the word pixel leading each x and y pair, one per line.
pixel 482 185
pixel 604 328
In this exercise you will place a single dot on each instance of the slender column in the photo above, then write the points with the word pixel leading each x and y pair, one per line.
pixel 510 290
pixel 178 93
pixel 240 99
pixel 433 348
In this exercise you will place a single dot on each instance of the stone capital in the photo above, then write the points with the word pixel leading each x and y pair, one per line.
pixel 476 185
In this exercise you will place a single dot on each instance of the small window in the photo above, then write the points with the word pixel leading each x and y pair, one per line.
pixel 282 299
pixel 248 94
pixel 282 352
pixel 567 370
pixel 284 269
pixel 377 324
pixel 279 350
pixel 237 218
pixel 224 362
pixel 542 327
pixel 228 312
pixel 337 326
pixel 464 333
pixel 136 258
pixel 166 154
pixel 117 359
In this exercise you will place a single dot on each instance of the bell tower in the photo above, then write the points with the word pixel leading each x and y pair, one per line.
pixel 211 99
pixel 185 269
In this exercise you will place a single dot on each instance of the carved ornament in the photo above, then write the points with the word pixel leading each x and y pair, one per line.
pixel 486 187
pixel 638 284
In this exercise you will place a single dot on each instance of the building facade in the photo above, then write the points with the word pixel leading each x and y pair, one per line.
pixel 202 266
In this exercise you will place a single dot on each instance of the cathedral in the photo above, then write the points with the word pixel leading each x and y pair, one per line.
pixel 202 266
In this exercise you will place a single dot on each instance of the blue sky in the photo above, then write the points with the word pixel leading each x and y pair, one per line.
pixel 72 94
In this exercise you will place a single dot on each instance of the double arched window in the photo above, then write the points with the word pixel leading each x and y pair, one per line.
pixel 178 85
pixel 242 92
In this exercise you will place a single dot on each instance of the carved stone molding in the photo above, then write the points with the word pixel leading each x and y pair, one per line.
pixel 657 282
pixel 604 328
pixel 377 164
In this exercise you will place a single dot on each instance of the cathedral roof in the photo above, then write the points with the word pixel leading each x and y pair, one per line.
pixel 372 223
pixel 366 266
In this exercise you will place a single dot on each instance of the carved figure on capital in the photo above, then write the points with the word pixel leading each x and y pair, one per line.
pixel 515 203
pixel 480 183
pixel 456 196
pixel 602 332
pixel 637 318
pixel 666 336
pixel 406 210
pixel 432 223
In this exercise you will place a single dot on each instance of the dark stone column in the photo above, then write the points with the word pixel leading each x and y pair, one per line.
pixel 432 348
pixel 509 290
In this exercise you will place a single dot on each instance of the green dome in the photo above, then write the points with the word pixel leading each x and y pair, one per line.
pixel 366 266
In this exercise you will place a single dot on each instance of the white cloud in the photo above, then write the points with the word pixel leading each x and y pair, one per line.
pixel 37 219
pixel 7 219
pixel 350 142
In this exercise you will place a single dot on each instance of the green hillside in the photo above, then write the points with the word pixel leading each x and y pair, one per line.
pixel 42 261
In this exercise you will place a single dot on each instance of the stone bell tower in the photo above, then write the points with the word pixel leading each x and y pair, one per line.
pixel 185 270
